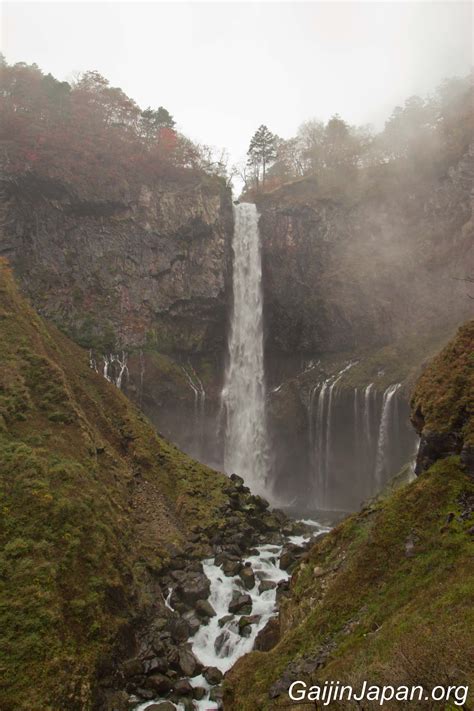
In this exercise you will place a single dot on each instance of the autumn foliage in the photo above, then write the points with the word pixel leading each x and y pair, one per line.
pixel 88 135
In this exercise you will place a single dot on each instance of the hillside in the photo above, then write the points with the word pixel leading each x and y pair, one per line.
pixel 359 608
pixel 94 505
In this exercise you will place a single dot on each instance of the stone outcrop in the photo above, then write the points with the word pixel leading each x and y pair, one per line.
pixel 150 271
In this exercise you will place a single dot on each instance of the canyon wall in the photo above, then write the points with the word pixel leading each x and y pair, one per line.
pixel 368 275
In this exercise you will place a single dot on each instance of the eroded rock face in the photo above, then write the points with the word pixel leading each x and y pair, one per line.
pixel 348 269
pixel 150 270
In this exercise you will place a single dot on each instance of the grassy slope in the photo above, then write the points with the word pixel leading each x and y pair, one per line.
pixel 445 391
pixel 91 501
pixel 373 610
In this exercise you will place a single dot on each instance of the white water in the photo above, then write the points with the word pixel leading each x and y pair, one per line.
pixel 368 413
pixel 195 383
pixel 243 395
pixel 381 460
pixel 321 436
pixel 231 644
pixel 115 367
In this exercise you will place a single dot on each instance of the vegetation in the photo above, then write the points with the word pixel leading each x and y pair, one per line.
pixel 425 135
pixel 90 135
pixel 93 504
pixel 445 392
pixel 386 596
pixel 360 599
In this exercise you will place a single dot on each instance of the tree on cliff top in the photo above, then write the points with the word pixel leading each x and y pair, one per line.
pixel 261 152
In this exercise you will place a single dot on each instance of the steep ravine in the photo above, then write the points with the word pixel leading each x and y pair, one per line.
pixel 358 608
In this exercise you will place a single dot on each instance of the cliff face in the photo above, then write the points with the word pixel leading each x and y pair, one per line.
pixel 147 271
pixel 358 609
pixel 369 264
pixel 369 276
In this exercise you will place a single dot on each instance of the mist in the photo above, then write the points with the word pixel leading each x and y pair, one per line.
pixel 222 69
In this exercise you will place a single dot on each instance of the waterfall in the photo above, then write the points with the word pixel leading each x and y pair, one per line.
pixel 195 383
pixel 367 413
pixel 381 460
pixel 319 455
pixel 115 367
pixel 321 432
pixel 244 389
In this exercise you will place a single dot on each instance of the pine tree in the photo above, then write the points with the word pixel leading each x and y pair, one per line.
pixel 261 152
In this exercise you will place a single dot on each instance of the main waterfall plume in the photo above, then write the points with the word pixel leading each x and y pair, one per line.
pixel 244 390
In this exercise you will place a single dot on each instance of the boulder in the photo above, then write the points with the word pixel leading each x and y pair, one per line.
pixel 193 587
pixel 199 692
pixel 131 668
pixel 212 675
pixel 183 688
pixel 231 566
pixel 269 636
pixel 266 585
pixel 159 683
pixel 178 629
pixel 192 621
pixel 247 576
pixel 155 665
pixel 241 604
pixel 216 695
pixel 205 609
pixel 224 620
pixel 290 555
pixel 188 663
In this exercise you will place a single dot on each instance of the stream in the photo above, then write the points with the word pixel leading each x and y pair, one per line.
pixel 222 641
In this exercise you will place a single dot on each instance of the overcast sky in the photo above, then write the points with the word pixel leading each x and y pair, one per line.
pixel 224 68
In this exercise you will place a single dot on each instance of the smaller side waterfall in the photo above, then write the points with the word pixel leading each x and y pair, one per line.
pixel 321 431
pixel 368 395
pixel 386 422
pixel 114 369
pixel 195 383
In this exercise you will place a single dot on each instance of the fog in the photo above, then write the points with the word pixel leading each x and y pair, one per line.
pixel 224 68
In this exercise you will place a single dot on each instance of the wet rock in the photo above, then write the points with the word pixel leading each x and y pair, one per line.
pixel 199 693
pixel 194 587
pixel 266 585
pixel 183 688
pixel 240 604
pixel 212 675
pixel 224 620
pixel 159 683
pixel 290 555
pixel 283 589
pixel 188 663
pixel 246 622
pixel 133 701
pixel 231 565
pixel 237 481
pixel 162 706
pixel 269 636
pixel 247 576
pixel 216 695
pixel 204 609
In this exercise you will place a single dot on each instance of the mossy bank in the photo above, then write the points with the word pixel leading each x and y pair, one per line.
pixel 387 596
